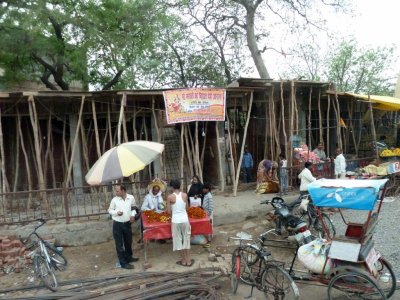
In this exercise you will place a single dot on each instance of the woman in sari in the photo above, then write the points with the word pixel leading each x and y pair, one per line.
pixel 267 180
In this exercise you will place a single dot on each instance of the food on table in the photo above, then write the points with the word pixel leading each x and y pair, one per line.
pixel 196 213
pixel 153 216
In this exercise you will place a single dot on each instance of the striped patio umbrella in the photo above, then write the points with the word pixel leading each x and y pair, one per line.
pixel 123 160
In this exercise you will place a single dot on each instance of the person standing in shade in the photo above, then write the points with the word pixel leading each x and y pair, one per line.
pixel 122 214
pixel 283 174
pixel 340 164
pixel 306 178
pixel 319 151
pixel 247 165
pixel 195 192
pixel 181 231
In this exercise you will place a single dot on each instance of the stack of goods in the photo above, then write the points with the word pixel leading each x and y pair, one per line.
pixel 390 153
pixel 164 217
pixel 153 216
pixel 196 213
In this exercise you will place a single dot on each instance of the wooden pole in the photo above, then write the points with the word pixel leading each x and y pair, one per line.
pixel 328 125
pixel 220 164
pixel 96 129
pixel 27 167
pixel 16 174
pixel 35 125
pixel 5 186
pixel 232 165
pixel 156 125
pixel 283 121
pixel 121 113
pixel 339 132
pixel 242 148
pixel 321 132
pixel 75 141
pixel 182 150
pixel 372 124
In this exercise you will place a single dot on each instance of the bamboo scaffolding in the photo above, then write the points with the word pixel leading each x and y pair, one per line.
pixel 328 126
pixel 242 147
pixel 35 127
pixel 27 168
pixel 121 114
pixel 372 124
pixel 96 129
pixel 321 133
pixel 74 143
pixel 232 166
pixel 47 153
pixel 283 120
pixel 156 125
pixel 16 174
pixel 220 164
pixel 338 129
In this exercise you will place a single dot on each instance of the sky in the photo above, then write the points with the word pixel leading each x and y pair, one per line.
pixel 373 23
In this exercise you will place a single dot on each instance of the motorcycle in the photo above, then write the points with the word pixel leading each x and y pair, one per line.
pixel 296 228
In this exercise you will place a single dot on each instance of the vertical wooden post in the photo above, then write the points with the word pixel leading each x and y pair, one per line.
pixel 121 113
pixel 35 125
pixel 283 120
pixel 75 141
pixel 328 125
pixel 232 164
pixel 321 135
pixel 372 125
pixel 220 164
pixel 66 203
pixel 242 147
pixel 96 129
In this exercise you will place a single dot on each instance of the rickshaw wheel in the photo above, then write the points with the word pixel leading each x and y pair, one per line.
pixel 328 223
pixel 354 285
pixel 386 277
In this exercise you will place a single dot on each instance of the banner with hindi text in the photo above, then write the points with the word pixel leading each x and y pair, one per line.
pixel 187 105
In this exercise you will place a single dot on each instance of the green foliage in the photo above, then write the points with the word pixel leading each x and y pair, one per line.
pixel 353 68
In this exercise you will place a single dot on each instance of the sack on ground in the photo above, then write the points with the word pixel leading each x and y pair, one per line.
pixel 198 240
pixel 313 256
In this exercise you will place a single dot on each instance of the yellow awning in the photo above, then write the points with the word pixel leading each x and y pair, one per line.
pixel 382 102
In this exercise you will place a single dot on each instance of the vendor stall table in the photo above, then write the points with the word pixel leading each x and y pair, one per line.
pixel 162 231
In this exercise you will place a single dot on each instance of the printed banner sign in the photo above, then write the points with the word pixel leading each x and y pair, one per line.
pixel 187 105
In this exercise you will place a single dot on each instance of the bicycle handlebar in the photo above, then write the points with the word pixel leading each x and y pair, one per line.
pixel 265 202
pixel 239 239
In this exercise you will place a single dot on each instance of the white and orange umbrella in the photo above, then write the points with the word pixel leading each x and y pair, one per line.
pixel 122 161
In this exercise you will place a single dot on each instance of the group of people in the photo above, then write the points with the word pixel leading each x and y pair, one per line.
pixel 272 177
pixel 124 212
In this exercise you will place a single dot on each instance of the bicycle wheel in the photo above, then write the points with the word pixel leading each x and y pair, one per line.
pixel 386 277
pixel 56 256
pixel 248 267
pixel 354 285
pixel 235 275
pixel 319 228
pixel 45 273
pixel 277 283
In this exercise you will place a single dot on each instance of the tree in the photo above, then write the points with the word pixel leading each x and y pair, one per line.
pixel 68 40
pixel 294 14
pixel 361 70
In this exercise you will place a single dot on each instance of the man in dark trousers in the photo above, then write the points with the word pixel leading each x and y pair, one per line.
pixel 123 216
pixel 247 165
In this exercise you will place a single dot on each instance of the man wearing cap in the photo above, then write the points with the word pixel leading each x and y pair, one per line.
pixel 153 199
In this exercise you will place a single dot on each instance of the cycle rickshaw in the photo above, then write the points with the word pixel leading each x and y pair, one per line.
pixel 350 265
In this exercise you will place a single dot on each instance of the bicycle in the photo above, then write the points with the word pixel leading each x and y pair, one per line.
pixel 46 258
pixel 252 266
pixel 304 209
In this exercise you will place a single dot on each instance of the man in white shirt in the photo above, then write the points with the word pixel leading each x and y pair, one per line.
pixel 340 164
pixel 122 214
pixel 306 178
pixel 153 200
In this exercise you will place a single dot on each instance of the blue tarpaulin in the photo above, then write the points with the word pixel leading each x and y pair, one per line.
pixel 352 194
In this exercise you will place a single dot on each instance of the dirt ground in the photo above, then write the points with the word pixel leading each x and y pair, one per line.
pixel 100 260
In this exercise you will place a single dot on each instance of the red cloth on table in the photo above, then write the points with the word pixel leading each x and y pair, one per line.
pixel 161 231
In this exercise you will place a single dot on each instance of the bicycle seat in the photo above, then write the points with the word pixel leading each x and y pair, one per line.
pixel 264 252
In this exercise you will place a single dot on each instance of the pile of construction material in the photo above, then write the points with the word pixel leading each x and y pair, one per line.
pixel 193 284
